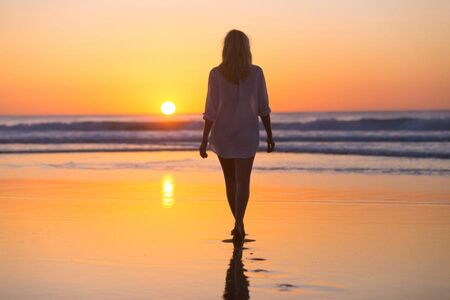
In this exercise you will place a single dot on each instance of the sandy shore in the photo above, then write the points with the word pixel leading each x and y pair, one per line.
pixel 154 233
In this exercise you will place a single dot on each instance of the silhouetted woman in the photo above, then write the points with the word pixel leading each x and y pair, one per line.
pixel 237 95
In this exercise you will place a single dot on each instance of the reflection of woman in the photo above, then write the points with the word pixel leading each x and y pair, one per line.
pixel 237 95
pixel 236 283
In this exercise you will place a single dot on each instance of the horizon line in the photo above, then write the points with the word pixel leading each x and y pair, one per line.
pixel 200 113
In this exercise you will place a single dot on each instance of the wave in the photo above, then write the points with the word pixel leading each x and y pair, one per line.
pixel 397 136
pixel 186 164
pixel 183 138
pixel 370 124
pixel 103 126
pixel 363 124
pixel 368 152
pixel 337 150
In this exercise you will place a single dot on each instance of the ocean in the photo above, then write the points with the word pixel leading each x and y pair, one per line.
pixel 414 142
pixel 349 206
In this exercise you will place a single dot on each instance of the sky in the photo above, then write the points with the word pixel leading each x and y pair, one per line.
pixel 127 57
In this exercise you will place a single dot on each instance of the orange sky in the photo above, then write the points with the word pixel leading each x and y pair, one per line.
pixel 126 57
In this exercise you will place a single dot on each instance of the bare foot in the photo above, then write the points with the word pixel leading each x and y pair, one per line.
pixel 239 234
pixel 234 230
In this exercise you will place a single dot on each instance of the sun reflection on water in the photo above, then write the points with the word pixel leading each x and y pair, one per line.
pixel 167 191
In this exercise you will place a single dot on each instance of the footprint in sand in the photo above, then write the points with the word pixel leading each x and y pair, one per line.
pixel 260 271
pixel 286 287
pixel 257 259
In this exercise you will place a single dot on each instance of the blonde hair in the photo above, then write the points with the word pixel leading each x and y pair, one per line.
pixel 236 56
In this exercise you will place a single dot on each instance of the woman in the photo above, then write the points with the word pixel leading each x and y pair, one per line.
pixel 237 95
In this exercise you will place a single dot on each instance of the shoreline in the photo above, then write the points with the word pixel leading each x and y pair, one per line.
pixel 151 225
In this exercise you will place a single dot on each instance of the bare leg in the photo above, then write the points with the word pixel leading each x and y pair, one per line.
pixel 230 182
pixel 243 170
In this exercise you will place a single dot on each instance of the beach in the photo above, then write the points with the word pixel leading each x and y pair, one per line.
pixel 151 225
pixel 112 114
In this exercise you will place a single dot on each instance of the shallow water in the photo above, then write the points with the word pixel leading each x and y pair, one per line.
pixel 70 231
pixel 188 161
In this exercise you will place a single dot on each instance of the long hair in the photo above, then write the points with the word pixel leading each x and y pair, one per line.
pixel 236 56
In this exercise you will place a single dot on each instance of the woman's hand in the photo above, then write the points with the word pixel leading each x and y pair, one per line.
pixel 268 127
pixel 270 145
pixel 202 149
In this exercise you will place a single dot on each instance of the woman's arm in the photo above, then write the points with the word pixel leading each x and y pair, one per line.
pixel 264 111
pixel 212 102
pixel 206 130
pixel 268 126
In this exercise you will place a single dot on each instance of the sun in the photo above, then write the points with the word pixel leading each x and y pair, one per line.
pixel 168 108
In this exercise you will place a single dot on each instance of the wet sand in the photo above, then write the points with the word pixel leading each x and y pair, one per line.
pixel 151 233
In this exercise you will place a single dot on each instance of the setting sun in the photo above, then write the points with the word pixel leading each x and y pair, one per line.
pixel 168 107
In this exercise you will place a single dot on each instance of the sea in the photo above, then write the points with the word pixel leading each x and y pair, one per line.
pixel 399 142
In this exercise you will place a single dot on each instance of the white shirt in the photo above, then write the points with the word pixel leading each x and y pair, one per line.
pixel 234 110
